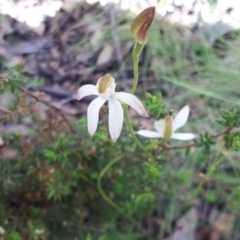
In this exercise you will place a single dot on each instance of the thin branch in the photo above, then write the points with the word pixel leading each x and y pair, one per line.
pixel 51 106
pixel 168 148
pixel 5 110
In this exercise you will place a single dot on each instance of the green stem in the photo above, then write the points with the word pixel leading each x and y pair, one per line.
pixel 99 183
pixel 210 171
pixel 101 191
pixel 129 125
pixel 135 55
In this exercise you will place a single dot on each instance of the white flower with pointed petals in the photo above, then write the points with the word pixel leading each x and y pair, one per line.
pixel 166 127
pixel 105 90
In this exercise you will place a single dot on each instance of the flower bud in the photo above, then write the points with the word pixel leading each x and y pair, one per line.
pixel 141 24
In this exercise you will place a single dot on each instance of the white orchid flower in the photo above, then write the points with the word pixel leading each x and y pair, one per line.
pixel 105 90
pixel 166 127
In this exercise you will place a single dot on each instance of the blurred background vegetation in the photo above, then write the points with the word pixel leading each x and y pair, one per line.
pixel 53 174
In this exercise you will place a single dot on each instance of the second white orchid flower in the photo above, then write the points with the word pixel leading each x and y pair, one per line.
pixel 105 90
pixel 165 128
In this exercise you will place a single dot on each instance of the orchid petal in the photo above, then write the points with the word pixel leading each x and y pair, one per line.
pixel 115 119
pixel 132 101
pixel 93 114
pixel 181 118
pixel 159 125
pixel 86 90
pixel 149 134
pixel 184 136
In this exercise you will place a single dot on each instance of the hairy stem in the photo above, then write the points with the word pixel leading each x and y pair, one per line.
pixel 101 191
pixel 135 55
pixel 99 183
pixel 129 125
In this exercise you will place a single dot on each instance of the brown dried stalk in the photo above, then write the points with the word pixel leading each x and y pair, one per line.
pixel 51 106
pixel 169 148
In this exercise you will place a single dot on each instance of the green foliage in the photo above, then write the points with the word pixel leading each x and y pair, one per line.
pixel 230 118
pixel 153 170
pixel 58 152
pixel 14 235
pixel 184 176
pixel 154 105
pixel 232 141
pixel 90 238
pixel 13 83
pixel 102 238
pixel 14 79
pixel 144 199
pixel 211 197
pixel 206 141
pixel 50 186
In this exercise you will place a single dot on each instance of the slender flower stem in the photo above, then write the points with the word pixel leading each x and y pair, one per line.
pixel 136 140
pixel 99 183
pixel 210 171
pixel 129 125
pixel 135 55
pixel 101 191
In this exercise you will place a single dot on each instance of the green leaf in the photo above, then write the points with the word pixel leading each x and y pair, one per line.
pixel 206 141
pixel 232 141
pixel 89 237
pixel 144 198
pixel 229 118
pixel 51 194
pixel 153 170
pixel 154 105
pixel 14 83
pixel 13 235
pixel 102 238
